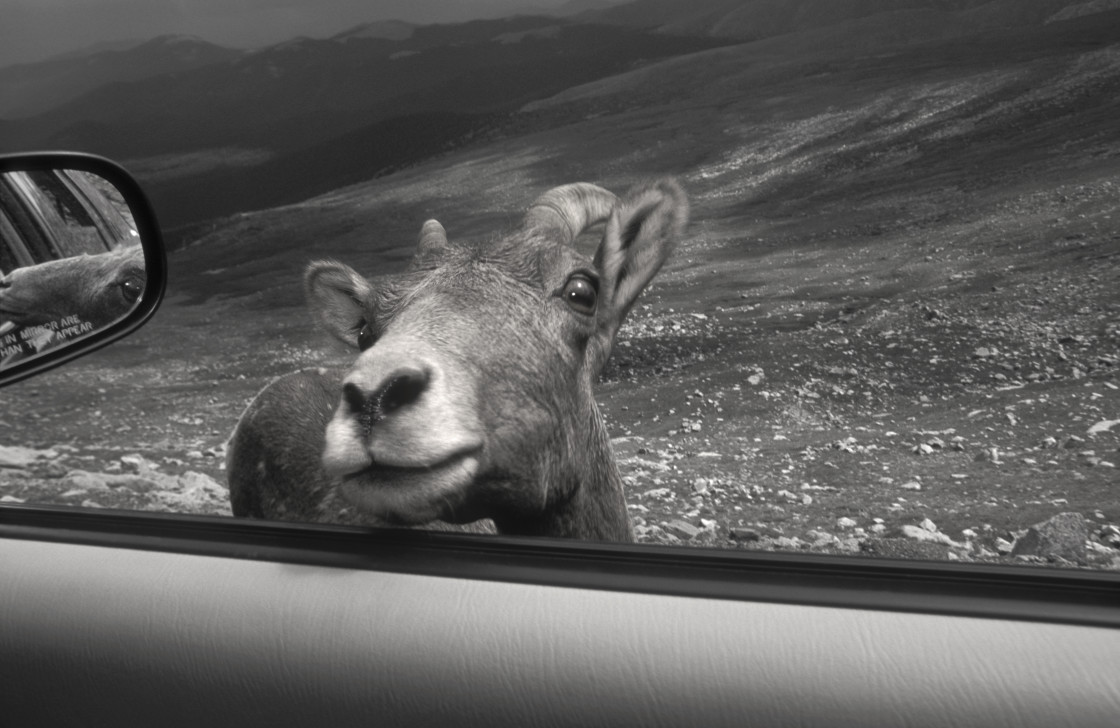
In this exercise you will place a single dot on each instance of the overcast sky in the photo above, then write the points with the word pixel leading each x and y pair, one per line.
pixel 32 30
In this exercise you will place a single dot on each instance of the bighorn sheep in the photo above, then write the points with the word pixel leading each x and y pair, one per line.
pixel 471 397
pixel 48 303
pixel 98 289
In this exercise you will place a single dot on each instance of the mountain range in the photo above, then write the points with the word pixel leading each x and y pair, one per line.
pixel 213 130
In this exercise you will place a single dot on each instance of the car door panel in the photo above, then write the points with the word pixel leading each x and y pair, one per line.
pixel 127 636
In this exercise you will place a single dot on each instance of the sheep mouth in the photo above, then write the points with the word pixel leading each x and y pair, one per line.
pixel 414 496
pixel 388 474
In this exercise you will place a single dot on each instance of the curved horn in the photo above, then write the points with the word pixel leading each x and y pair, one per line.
pixel 570 209
pixel 432 237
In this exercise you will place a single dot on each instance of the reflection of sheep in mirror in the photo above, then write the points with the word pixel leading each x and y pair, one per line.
pixel 471 394
pixel 97 289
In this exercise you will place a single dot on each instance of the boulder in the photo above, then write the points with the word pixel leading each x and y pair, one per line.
pixel 681 529
pixel 1062 536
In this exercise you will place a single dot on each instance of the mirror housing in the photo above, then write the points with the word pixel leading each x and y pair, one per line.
pixel 81 224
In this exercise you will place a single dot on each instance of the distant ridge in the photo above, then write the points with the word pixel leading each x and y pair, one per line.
pixel 95 48
pixel 30 89
pixel 575 7
pixel 381 29
pixel 1085 8
pixel 758 19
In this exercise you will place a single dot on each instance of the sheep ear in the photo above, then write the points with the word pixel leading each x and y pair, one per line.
pixel 339 297
pixel 640 235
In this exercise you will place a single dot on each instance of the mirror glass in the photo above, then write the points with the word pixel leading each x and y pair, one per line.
pixel 71 262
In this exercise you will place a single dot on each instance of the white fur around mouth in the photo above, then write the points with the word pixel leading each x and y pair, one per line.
pixel 411 495
pixel 385 472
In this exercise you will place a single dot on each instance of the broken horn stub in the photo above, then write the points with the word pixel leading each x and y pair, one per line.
pixel 432 237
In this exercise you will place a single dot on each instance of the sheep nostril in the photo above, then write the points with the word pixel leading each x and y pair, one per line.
pixel 354 397
pixel 400 390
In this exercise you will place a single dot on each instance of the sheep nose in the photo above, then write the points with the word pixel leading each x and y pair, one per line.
pixel 401 388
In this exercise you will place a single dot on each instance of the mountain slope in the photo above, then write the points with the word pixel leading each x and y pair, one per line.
pixel 302 117
pixel 988 113
pixel 939 39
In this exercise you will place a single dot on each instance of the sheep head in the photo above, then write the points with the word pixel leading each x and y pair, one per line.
pixel 471 396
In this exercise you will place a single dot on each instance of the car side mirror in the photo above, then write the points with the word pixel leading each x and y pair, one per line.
pixel 82 262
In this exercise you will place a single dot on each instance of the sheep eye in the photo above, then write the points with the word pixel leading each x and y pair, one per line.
pixel 131 290
pixel 580 294
pixel 366 336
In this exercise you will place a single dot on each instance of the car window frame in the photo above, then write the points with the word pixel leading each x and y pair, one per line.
pixel 115 230
pixel 1024 593
pixel 22 223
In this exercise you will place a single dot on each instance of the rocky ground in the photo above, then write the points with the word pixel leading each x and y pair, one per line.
pixel 61 475
pixel 901 398
pixel 860 454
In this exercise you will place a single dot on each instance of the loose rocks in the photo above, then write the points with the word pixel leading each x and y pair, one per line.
pixel 22 457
